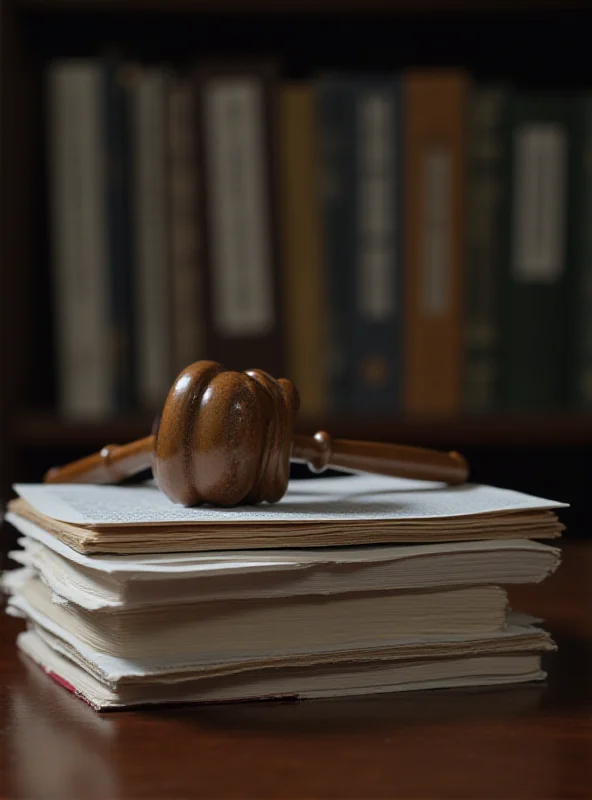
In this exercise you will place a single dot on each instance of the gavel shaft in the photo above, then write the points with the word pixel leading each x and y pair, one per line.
pixel 321 451
pixel 114 463
pixel 110 465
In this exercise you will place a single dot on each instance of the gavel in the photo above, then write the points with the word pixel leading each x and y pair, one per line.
pixel 226 438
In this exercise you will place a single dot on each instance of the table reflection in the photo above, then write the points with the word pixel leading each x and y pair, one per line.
pixel 60 747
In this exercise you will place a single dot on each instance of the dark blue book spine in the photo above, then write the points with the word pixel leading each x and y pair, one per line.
pixel 376 319
pixel 117 138
pixel 336 115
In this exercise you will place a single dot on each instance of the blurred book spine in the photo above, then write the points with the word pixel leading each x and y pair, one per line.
pixel 302 246
pixel 237 130
pixel 377 285
pixel 536 255
pixel 337 125
pixel 77 165
pixel 116 139
pixel 152 285
pixel 434 110
pixel 485 164
pixel 185 232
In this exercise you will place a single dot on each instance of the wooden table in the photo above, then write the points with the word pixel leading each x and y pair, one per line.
pixel 525 741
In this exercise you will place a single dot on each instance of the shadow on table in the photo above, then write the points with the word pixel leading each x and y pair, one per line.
pixel 343 714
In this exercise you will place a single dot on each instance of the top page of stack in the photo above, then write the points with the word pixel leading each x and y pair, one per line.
pixel 318 513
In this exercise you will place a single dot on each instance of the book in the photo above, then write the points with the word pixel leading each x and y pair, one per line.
pixel 117 199
pixel 89 154
pixel 186 248
pixel 218 631
pixel 293 682
pixel 361 509
pixel 302 259
pixel 536 254
pixel 152 267
pixel 110 582
pixel 236 126
pixel 434 140
pixel 376 322
pixel 521 634
pixel 335 99
pixel 80 258
pixel 487 155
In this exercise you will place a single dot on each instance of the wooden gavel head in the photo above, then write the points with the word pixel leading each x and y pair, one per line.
pixel 226 438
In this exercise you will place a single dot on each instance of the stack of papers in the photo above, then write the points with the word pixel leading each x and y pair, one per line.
pixel 352 585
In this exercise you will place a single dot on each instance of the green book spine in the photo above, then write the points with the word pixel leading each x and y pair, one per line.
pixel 581 285
pixel 487 116
pixel 535 253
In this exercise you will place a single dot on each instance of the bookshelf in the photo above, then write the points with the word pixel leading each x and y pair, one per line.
pixel 45 430
pixel 542 41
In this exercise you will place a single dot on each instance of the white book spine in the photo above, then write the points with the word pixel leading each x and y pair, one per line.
pixel 77 169
pixel 376 220
pixel 188 337
pixel 235 157
pixel 540 188
pixel 152 293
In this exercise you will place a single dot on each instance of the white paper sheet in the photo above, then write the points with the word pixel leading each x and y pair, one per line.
pixel 353 497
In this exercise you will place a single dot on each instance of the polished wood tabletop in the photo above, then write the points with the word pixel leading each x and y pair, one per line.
pixel 530 741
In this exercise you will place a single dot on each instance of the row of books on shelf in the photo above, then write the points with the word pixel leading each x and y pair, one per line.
pixel 414 244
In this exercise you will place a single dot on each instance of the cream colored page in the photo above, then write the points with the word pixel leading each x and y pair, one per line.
pixel 212 562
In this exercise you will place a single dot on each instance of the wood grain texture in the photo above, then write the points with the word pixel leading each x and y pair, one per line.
pixel 223 437
pixel 322 451
pixel 523 742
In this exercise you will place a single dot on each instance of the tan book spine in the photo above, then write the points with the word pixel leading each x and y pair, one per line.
pixel 301 244
pixel 434 146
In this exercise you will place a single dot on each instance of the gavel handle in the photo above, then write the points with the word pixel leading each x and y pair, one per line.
pixel 321 451
pixel 114 462
pixel 110 465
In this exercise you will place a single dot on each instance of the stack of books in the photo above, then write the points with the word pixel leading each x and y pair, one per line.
pixel 350 585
